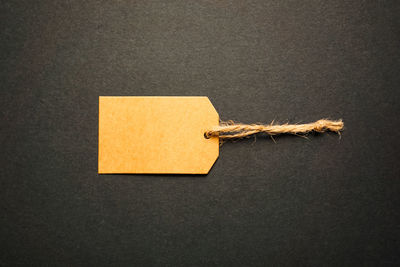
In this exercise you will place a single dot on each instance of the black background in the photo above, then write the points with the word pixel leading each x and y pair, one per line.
pixel 322 201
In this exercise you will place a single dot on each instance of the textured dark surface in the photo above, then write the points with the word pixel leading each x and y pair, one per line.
pixel 322 201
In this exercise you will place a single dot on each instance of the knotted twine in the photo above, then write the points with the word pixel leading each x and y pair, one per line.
pixel 232 130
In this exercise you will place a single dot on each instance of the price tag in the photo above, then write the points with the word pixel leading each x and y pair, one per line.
pixel 163 135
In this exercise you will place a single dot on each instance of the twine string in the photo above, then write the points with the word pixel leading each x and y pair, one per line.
pixel 231 130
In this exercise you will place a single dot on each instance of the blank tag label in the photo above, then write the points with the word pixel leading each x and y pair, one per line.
pixel 156 135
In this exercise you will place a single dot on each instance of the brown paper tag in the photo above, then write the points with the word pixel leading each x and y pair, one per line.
pixel 156 135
